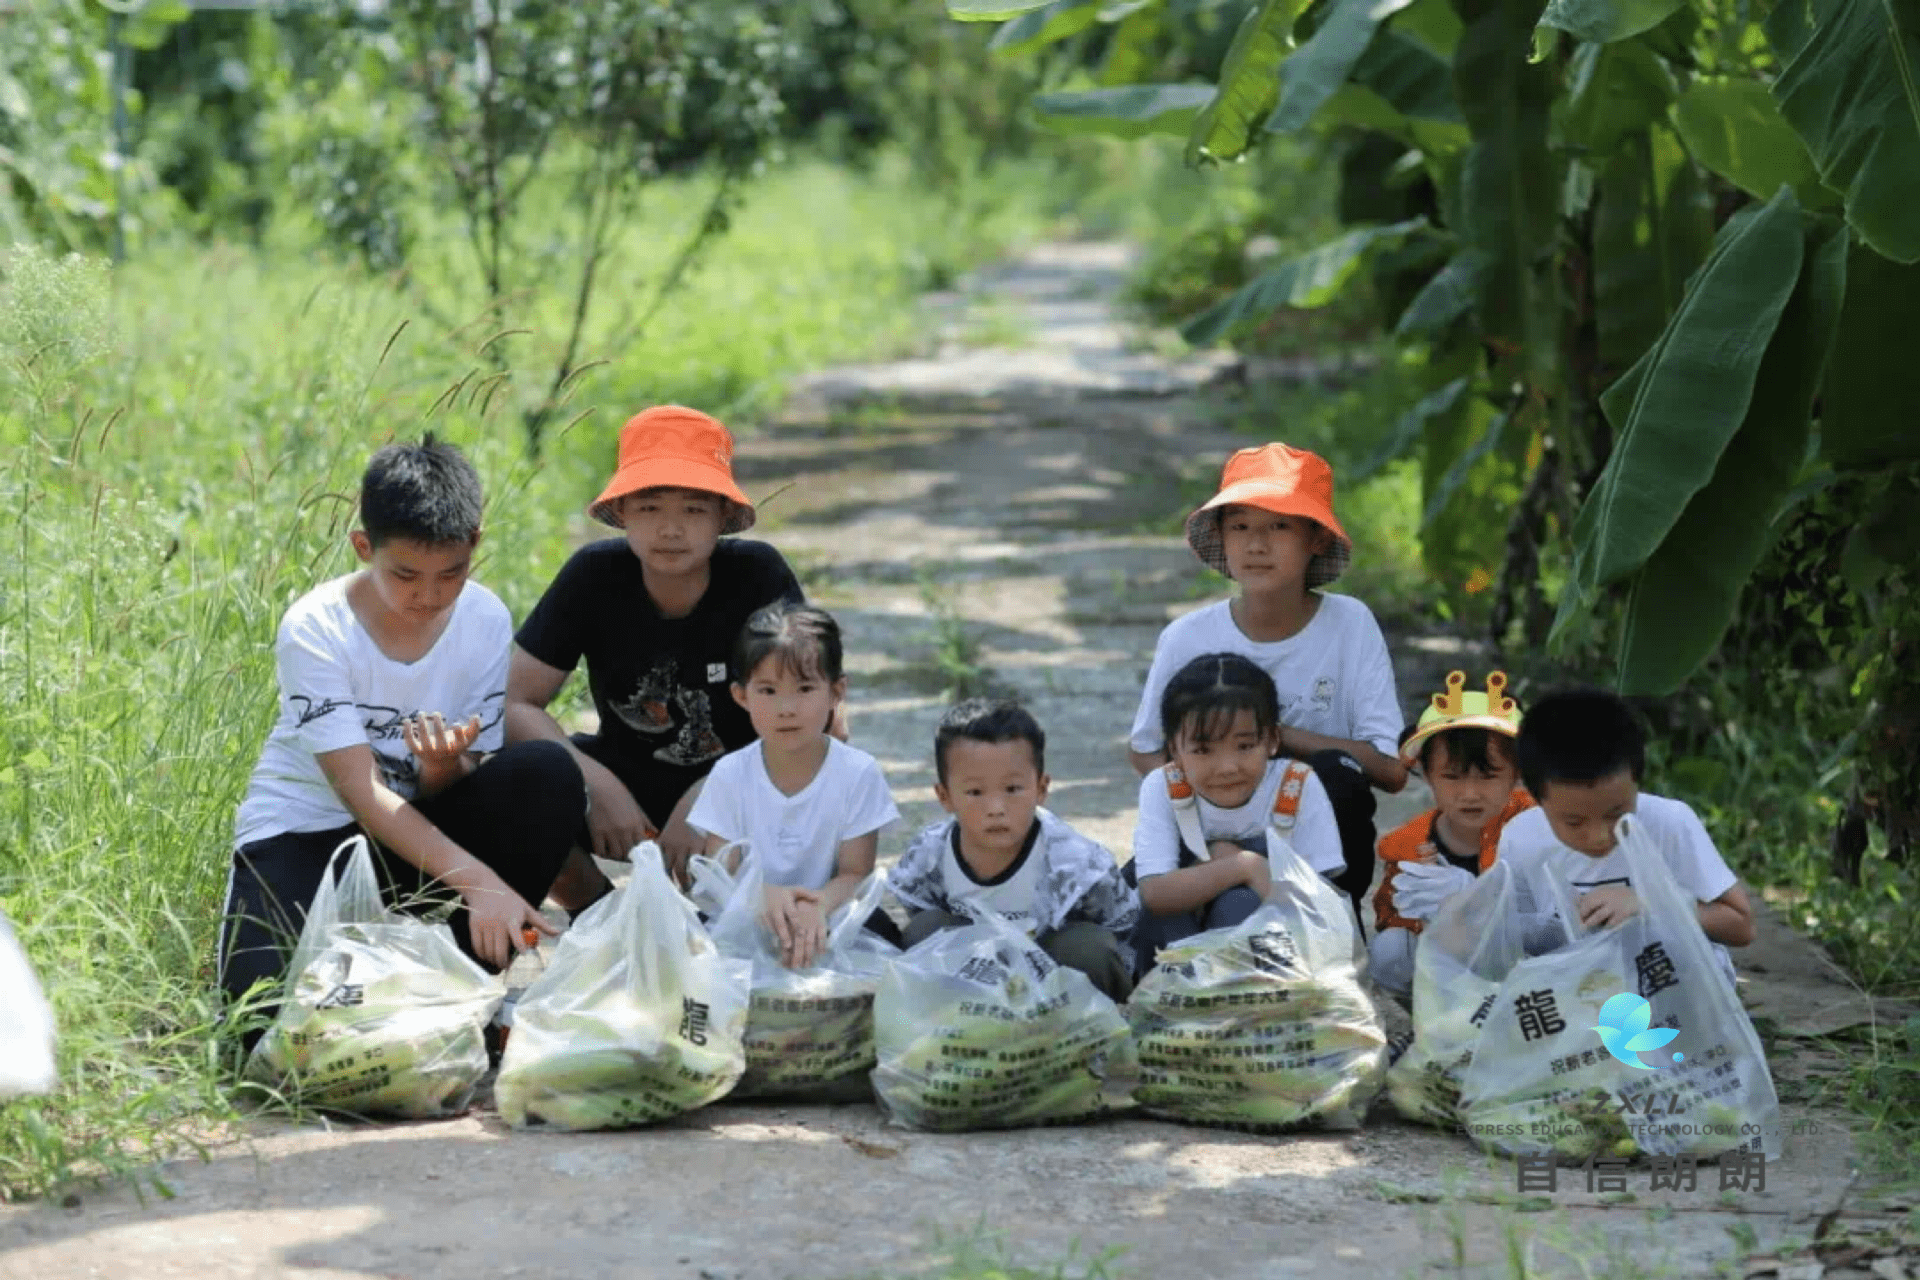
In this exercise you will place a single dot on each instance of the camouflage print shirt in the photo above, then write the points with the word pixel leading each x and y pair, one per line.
pixel 1079 879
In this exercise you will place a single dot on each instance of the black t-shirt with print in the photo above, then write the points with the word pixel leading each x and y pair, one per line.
pixel 659 684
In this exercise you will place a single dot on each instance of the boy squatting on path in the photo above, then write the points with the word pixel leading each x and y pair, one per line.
pixel 391 682
pixel 1463 745
pixel 1582 754
pixel 655 614
pixel 1002 851
pixel 1271 528
pixel 809 807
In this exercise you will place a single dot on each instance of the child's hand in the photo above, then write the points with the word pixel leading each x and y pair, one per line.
pixel 1420 887
pixel 1222 849
pixel 797 922
pixel 1259 872
pixel 496 918
pixel 678 843
pixel 614 821
pixel 436 744
pixel 1608 906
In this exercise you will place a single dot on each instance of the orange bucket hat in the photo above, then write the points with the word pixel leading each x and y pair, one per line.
pixel 672 447
pixel 1286 481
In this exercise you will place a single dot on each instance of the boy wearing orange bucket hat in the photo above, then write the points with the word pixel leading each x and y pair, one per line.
pixel 1271 528
pixel 654 613
pixel 1463 745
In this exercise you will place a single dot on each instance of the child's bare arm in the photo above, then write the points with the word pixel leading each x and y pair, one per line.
pixel 441 749
pixel 1382 770
pixel 495 913
pixel 1193 887
pixel 1728 919
pixel 1145 762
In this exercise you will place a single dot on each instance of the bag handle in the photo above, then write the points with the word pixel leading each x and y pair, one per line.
pixel 853 913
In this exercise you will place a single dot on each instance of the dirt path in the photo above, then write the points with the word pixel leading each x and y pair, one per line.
pixel 1006 492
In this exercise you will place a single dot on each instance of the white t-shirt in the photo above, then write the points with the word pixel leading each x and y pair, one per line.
pixel 1011 893
pixel 1334 677
pixel 1315 836
pixel 797 838
pixel 338 690
pixel 1675 830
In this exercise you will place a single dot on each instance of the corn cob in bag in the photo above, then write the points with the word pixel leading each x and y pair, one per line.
pixel 637 1018
pixel 384 1015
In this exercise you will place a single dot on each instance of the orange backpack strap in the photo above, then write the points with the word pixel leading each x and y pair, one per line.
pixel 1286 801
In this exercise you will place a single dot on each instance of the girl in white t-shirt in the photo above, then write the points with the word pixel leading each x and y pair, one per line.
pixel 1200 844
pixel 809 807
pixel 1272 529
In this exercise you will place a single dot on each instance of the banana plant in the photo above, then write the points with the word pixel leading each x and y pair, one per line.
pixel 1676 255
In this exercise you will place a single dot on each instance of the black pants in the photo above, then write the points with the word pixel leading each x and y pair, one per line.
pixel 518 813
pixel 1354 805
pixel 1155 931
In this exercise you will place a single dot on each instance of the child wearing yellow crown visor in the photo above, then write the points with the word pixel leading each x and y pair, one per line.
pixel 1464 746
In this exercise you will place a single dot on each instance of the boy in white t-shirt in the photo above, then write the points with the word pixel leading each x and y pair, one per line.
pixel 1271 528
pixel 809 807
pixel 1582 754
pixel 1001 851
pixel 391 684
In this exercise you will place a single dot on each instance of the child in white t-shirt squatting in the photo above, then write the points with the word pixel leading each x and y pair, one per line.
pixel 809 807
pixel 391 681
pixel 1271 528
pixel 1002 851
pixel 1200 842
pixel 1582 753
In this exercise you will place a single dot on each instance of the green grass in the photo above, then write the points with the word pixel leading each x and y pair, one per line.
pixel 177 464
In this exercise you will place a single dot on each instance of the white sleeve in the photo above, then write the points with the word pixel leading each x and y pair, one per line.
pixel 1696 864
pixel 1156 837
pixel 317 686
pixel 498 638
pixel 716 810
pixel 1316 832
pixel 1377 719
pixel 1145 734
pixel 869 802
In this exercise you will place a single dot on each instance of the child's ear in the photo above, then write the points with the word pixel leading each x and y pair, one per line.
pixel 739 692
pixel 1040 792
pixel 362 545
pixel 840 689
pixel 941 794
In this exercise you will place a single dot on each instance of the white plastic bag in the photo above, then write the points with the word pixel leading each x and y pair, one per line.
pixel 1542 1080
pixel 1265 1025
pixel 26 1023
pixel 1464 953
pixel 809 1031
pixel 978 1028
pixel 637 1018
pixel 383 1013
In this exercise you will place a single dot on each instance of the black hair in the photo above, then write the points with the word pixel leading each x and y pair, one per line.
pixel 1205 696
pixel 1579 735
pixel 1469 747
pixel 989 720
pixel 426 492
pixel 804 637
